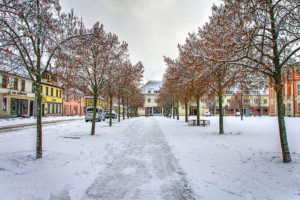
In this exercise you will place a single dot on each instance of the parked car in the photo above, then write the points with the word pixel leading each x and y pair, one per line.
pixel 238 114
pixel 207 114
pixel 99 114
pixel 113 113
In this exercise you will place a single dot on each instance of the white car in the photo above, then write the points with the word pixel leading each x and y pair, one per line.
pixel 238 114
pixel 99 114
pixel 207 114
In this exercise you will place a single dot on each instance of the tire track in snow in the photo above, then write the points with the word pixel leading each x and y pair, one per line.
pixel 144 168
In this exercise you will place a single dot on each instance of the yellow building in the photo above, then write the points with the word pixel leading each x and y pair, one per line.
pixel 52 93
pixel 88 101
pixel 17 98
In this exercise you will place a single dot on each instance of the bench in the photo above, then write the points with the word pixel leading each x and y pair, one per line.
pixel 203 122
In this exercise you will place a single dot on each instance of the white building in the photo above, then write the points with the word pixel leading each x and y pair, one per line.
pixel 151 91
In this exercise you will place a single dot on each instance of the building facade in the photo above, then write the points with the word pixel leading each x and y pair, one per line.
pixel 151 91
pixel 17 97
pixel 290 92
pixel 52 102
pixel 73 103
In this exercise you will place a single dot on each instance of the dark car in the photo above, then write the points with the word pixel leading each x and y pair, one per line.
pixel 113 114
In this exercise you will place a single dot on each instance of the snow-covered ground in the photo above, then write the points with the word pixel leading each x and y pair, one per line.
pixel 21 120
pixel 244 163
pixel 152 158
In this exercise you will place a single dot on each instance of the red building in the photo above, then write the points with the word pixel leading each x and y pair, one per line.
pixel 290 92
pixel 73 103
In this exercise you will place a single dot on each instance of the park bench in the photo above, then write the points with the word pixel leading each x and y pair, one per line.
pixel 203 122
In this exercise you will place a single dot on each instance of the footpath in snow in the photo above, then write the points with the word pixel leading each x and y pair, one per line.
pixel 153 158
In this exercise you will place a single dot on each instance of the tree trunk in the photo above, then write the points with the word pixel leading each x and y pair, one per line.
pixel 282 130
pixel 94 114
pixel 110 110
pixel 173 109
pixel 198 111
pixel 221 128
pixel 186 112
pixel 123 104
pixel 119 110
pixel 39 152
pixel 242 109
pixel 177 110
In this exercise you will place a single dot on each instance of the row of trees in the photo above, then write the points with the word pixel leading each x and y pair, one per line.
pixel 245 43
pixel 35 36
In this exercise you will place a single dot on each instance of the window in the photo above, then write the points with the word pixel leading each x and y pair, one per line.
pixel 149 100
pixel 48 108
pixel 59 108
pixel 246 100
pixel 298 89
pixel 59 93
pixel 52 108
pixel 156 91
pixel 23 85
pixel 155 100
pixel 56 92
pixel 289 107
pixel 298 72
pixel 149 91
pixel 298 107
pixel 4 104
pixel 257 101
pixel 271 92
pixel 41 89
pixel 32 87
pixel 56 108
pixel 15 84
pixel 283 91
pixel 228 100
pixel 4 81
pixel 265 101
pixel 47 91
pixel 272 108
pixel 52 92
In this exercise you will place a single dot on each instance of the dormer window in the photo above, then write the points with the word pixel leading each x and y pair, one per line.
pixel 149 91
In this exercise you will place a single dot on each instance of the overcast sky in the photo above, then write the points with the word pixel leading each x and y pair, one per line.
pixel 152 28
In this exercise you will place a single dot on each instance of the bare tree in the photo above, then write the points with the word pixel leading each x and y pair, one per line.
pixel 30 34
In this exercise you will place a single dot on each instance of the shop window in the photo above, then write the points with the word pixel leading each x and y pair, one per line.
pixel 15 86
pixel 56 110
pixel 23 85
pixel 13 106
pixel 47 91
pixel 4 81
pixel 4 104
pixel 56 92
pixel 59 108
pixel 52 108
